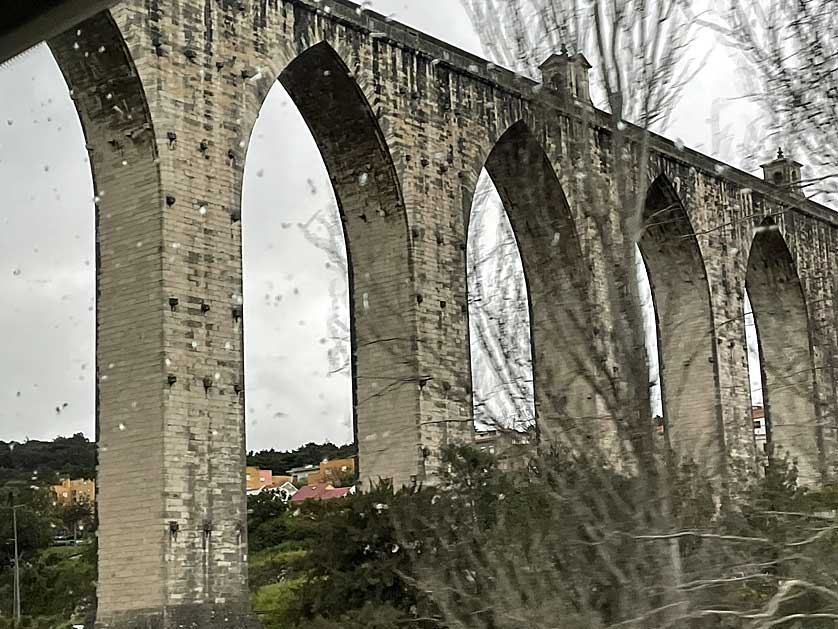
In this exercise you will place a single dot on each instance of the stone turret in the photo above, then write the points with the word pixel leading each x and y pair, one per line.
pixel 784 173
pixel 567 74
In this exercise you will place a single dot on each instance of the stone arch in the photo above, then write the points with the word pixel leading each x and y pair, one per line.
pixel 683 313
pixel 556 280
pixel 369 199
pixel 784 338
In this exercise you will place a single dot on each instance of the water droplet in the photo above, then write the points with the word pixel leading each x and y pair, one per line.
pixel 679 144
pixel 556 237
pixel 228 345
pixel 260 172
pixel 202 210
pixel 217 376
pixel 366 300
pixel 363 178
pixel 124 162
pixel 16 272
pixel 122 426
pixel 720 168
pixel 101 49
pixel 194 344
pixel 76 46
pixel 621 126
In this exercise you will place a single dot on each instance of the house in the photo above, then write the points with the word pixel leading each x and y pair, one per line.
pixel 286 491
pixel 508 446
pixel 75 491
pixel 258 480
pixel 299 475
pixel 760 426
pixel 332 471
pixel 321 491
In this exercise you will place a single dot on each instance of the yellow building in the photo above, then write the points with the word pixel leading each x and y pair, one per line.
pixel 257 479
pixel 331 471
pixel 75 491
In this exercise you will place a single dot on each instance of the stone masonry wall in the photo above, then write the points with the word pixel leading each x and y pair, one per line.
pixel 168 93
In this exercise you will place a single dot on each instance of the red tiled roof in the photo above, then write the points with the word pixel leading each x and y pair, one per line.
pixel 320 491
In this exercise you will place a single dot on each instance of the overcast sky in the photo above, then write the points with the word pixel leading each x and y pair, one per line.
pixel 46 249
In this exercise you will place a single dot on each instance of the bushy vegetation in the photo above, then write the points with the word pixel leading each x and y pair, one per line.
pixel 43 462
pixel 57 583
pixel 562 540
pixel 565 541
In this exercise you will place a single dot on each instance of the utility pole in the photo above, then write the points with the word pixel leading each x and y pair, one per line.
pixel 17 567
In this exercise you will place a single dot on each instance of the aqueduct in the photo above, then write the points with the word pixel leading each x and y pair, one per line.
pixel 168 92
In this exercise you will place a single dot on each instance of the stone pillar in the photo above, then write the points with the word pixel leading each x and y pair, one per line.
pixel 162 130
pixel 433 154
pixel 724 242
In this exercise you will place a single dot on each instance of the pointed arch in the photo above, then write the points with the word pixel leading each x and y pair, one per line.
pixel 556 280
pixel 785 351
pixel 372 212
pixel 683 314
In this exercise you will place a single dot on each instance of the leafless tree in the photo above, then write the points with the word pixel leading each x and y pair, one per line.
pixel 324 231
pixel 789 58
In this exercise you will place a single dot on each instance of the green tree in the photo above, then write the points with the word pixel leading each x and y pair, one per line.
pixel 355 557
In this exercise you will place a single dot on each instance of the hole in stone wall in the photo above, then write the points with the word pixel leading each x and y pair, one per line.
pixel 761 428
pixel 296 288
pixel 499 317
pixel 650 327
